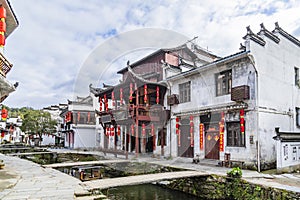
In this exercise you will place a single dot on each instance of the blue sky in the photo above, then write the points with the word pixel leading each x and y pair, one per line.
pixel 55 39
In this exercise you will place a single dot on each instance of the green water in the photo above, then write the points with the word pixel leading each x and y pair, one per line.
pixel 146 192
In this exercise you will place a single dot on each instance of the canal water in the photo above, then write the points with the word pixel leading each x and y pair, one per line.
pixel 146 192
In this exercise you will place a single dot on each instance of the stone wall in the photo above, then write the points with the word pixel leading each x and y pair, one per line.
pixel 218 187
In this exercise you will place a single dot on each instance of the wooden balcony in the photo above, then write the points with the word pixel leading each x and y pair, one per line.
pixel 5 65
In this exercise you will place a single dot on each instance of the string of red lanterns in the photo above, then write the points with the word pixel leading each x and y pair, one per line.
pixel 157 95
pixel 2 25
pixel 100 101
pixel 145 94
pixel 242 121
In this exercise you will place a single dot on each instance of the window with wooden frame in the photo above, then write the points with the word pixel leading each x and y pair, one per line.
pixel 185 92
pixel 223 82
pixel 234 136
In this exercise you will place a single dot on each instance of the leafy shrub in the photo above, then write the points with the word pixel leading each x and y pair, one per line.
pixel 236 172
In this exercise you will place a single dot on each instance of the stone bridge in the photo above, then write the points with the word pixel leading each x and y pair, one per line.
pixel 139 179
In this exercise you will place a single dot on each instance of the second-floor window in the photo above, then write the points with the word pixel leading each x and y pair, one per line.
pixel 185 92
pixel 223 82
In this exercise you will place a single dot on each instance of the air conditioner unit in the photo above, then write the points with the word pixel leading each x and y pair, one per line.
pixel 172 99
pixel 240 93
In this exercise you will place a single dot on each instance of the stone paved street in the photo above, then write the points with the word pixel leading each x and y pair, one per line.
pixel 34 182
pixel 22 179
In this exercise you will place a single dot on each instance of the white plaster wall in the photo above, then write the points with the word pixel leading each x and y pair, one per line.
pixel 85 138
pixel 289 154
pixel 275 65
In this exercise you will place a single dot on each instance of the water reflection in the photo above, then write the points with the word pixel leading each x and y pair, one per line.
pixel 146 192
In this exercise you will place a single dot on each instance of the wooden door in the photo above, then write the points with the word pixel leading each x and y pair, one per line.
pixel 212 144
pixel 185 149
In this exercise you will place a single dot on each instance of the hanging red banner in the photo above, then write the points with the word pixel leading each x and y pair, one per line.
pixel 121 96
pixel 113 99
pixel 153 136
pixel 145 94
pixel 192 131
pixel 221 131
pixel 201 130
pixel 119 130
pixel 157 95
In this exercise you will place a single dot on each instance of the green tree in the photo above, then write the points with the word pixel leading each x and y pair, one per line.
pixel 37 122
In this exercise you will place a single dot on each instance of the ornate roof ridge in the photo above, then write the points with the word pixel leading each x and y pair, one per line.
pixel 267 33
pixel 254 37
pixel 279 30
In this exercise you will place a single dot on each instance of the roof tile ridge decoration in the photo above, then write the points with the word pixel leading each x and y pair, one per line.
pixel 278 29
pixel 254 37
pixel 270 35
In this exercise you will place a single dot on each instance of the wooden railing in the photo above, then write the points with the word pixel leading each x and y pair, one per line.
pixel 5 65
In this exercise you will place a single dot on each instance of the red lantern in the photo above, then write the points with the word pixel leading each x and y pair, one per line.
pixel 2 12
pixel 4 114
pixel 157 95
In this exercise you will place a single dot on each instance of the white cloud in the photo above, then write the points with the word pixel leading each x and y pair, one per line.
pixel 55 38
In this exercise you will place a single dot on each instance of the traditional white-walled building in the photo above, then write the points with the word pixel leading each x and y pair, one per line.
pixel 79 124
pixel 233 104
